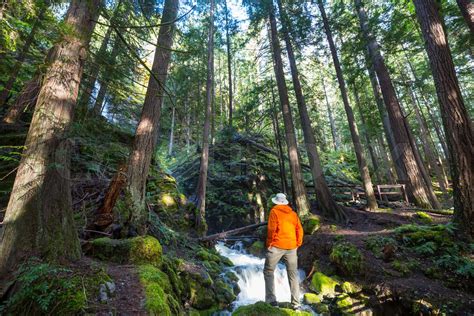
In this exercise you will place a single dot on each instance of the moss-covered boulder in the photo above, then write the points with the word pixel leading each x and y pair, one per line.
pixel 344 304
pixel 311 298
pixel 347 258
pixel 137 250
pixel 159 296
pixel 311 224
pixel 350 288
pixel 257 248
pixel 323 284
pixel 264 309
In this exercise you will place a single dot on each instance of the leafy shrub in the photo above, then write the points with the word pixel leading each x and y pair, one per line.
pixel 376 244
pixel 347 257
pixel 46 289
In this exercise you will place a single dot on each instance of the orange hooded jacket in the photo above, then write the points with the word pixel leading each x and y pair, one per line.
pixel 284 228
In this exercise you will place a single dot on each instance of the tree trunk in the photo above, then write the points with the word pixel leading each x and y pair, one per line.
pixel 201 225
pixel 386 162
pixel 323 195
pixel 146 134
pixel 332 123
pixel 171 141
pixel 91 79
pixel 467 10
pixel 418 192
pixel 188 124
pixel 21 58
pixel 298 185
pixel 364 170
pixel 370 146
pixel 456 121
pixel 26 99
pixel 38 219
pixel 229 61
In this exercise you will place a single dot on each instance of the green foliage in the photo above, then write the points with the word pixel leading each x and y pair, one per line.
pixel 347 258
pixel 265 309
pixel 377 243
pixel 47 289
pixel 405 267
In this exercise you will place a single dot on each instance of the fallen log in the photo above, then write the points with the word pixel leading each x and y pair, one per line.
pixel 231 232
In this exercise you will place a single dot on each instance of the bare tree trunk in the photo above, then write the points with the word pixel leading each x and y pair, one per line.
pixel 456 121
pixel 467 10
pixel 91 79
pixel 201 225
pixel 170 146
pixel 386 162
pixel 364 170
pixel 298 185
pixel 188 123
pixel 323 195
pixel 146 134
pixel 372 154
pixel 229 61
pixel 38 219
pixel 332 123
pixel 418 191
pixel 26 99
pixel 20 59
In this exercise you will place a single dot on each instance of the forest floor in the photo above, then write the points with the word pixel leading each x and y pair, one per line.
pixel 389 271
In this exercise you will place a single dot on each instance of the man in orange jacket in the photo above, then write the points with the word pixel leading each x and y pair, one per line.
pixel 284 236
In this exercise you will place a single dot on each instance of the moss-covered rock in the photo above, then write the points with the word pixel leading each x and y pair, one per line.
pixel 257 248
pixel 350 288
pixel 160 299
pixel 344 304
pixel 264 309
pixel 323 284
pixel 311 298
pixel 311 224
pixel 347 258
pixel 137 250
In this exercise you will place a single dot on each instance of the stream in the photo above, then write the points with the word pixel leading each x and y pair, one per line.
pixel 249 270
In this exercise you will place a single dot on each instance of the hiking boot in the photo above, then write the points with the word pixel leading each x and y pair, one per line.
pixel 296 307
pixel 274 304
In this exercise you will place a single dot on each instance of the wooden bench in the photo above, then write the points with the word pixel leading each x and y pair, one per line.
pixel 383 190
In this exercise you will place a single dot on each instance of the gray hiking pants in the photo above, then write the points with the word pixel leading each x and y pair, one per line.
pixel 290 258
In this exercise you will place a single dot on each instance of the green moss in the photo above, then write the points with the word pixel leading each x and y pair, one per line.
pixel 424 217
pixel 311 298
pixel 376 244
pixel 405 267
pixel 45 289
pixel 208 255
pixel 350 288
pixel 347 258
pixel 323 284
pixel 159 298
pixel 257 248
pixel 311 224
pixel 137 250
pixel 344 304
pixel 264 309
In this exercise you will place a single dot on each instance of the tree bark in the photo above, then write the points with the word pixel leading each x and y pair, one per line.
pixel 403 155
pixel 146 134
pixel 201 225
pixel 276 132
pixel 38 219
pixel 20 59
pixel 325 200
pixel 332 123
pixel 171 141
pixel 373 156
pixel 229 62
pixel 456 121
pixel 26 99
pixel 467 10
pixel 300 198
pixel 363 169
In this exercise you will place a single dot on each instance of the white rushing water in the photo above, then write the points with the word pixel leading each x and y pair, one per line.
pixel 249 270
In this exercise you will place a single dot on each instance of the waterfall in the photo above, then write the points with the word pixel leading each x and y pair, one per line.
pixel 249 270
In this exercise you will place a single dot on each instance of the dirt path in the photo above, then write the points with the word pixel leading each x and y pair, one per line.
pixel 129 296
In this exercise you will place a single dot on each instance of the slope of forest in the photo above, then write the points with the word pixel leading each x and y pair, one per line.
pixel 142 142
